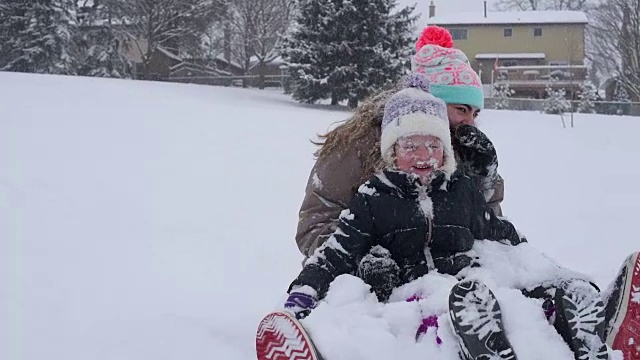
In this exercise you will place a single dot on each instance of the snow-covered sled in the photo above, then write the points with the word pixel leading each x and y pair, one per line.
pixel 350 323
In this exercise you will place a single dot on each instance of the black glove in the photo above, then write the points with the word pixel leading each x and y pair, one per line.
pixel 503 231
pixel 380 271
pixel 477 153
pixel 451 239
pixel 453 264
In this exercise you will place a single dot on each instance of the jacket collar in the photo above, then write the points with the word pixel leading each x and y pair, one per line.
pixel 407 184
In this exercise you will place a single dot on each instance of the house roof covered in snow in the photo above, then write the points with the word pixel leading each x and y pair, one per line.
pixel 82 3
pixel 272 60
pixel 222 58
pixel 511 17
pixel 169 54
pixel 511 56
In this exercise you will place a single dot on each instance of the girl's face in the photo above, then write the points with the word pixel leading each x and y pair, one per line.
pixel 420 155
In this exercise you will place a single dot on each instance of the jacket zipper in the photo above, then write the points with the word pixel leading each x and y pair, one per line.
pixel 427 250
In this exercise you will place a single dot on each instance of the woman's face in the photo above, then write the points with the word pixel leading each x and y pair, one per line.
pixel 420 155
pixel 461 114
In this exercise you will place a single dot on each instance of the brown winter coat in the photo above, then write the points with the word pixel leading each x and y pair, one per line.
pixel 336 176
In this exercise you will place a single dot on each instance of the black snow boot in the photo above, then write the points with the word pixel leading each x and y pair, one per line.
pixel 380 271
pixel 580 320
pixel 614 297
pixel 477 321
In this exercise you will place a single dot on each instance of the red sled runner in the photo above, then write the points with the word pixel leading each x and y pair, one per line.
pixel 625 328
pixel 280 336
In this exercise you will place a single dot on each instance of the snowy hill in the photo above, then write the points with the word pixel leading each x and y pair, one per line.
pixel 156 221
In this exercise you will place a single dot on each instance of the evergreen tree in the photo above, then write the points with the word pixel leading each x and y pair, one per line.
pixel 100 56
pixel 13 21
pixel 588 94
pixel 40 36
pixel 556 102
pixel 99 44
pixel 347 49
pixel 621 95
pixel 502 93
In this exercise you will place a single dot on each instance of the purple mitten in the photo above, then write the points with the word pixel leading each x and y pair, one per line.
pixel 429 322
pixel 300 304
pixel 549 310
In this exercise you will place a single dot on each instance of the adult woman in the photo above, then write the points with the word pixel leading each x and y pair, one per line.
pixel 350 154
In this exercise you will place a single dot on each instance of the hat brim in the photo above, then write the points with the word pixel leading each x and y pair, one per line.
pixel 418 124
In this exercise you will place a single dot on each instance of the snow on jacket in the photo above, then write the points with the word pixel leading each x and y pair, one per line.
pixel 334 181
pixel 412 221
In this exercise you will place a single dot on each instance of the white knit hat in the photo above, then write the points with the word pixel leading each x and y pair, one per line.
pixel 412 111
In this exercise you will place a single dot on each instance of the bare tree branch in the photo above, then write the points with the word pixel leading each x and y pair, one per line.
pixel 528 5
pixel 169 23
pixel 521 5
pixel 614 42
pixel 256 27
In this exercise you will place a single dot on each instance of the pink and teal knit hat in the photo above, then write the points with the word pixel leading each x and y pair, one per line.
pixel 451 77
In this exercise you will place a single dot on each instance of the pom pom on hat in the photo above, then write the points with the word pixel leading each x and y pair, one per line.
pixel 449 74
pixel 416 80
pixel 435 35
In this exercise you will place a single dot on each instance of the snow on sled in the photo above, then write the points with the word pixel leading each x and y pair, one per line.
pixel 350 322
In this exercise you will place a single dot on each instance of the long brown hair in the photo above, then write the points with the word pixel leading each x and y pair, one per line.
pixel 366 118
pixel 362 127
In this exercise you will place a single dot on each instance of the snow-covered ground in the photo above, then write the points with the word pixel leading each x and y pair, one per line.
pixel 156 221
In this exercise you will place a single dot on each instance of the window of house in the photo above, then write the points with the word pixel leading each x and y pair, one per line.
pixel 558 63
pixel 508 32
pixel 537 32
pixel 459 34
pixel 510 63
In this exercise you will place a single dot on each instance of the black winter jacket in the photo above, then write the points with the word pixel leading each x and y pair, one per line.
pixel 395 211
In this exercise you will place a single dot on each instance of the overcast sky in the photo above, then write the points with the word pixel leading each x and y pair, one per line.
pixel 444 7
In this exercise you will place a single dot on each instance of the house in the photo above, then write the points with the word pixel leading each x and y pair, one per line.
pixel 166 62
pixel 525 49
pixel 273 71
pixel 224 62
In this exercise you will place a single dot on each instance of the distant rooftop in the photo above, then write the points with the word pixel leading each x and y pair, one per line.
pixel 511 17
pixel 82 3
pixel 511 56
